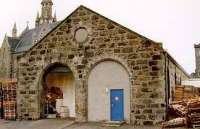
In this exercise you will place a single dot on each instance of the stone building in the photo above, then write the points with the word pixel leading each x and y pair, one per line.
pixel 102 70
pixel 15 45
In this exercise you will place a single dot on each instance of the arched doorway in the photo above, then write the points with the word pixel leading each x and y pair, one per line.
pixel 58 96
pixel 109 93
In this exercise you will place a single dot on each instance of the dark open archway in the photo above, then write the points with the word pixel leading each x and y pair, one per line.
pixel 58 94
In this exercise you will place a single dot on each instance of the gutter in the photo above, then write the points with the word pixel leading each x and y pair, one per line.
pixel 178 65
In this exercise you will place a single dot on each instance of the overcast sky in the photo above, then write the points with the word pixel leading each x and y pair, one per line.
pixel 175 23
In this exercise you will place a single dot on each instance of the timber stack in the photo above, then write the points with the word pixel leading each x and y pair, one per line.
pixel 193 115
pixel 1 102
pixel 9 100
pixel 185 93
pixel 187 113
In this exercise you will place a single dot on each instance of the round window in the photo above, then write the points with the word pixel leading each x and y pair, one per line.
pixel 81 35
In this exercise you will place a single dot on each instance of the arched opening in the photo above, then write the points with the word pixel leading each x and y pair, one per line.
pixel 58 94
pixel 109 92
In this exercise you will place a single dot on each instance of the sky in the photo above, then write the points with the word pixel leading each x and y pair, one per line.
pixel 175 23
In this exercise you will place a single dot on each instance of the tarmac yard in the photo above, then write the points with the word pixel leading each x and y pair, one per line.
pixel 64 124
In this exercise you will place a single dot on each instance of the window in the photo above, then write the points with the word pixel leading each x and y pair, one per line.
pixel 81 35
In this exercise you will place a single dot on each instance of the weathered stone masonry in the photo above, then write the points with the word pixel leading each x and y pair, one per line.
pixel 5 60
pixel 107 40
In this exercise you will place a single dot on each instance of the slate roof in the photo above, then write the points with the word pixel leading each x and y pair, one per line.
pixel 25 41
pixel 29 37
pixel 13 42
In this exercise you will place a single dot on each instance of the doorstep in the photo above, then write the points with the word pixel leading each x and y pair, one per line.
pixel 113 123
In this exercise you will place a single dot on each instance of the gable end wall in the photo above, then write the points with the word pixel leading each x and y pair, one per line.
pixel 107 41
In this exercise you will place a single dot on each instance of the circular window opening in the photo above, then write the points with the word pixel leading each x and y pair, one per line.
pixel 81 35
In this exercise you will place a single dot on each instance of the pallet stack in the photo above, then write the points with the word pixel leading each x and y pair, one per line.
pixel 187 112
pixel 9 100
pixel 193 108
pixel 189 92
pixel 179 93
pixel 1 101
pixel 179 108
pixel 185 92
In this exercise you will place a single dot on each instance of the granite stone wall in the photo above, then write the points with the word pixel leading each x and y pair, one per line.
pixel 143 59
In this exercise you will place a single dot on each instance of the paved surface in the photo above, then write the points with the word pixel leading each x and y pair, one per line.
pixel 99 126
pixel 40 124
pixel 63 124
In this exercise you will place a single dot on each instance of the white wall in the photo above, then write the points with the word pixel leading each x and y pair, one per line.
pixel 107 75
pixel 66 83
pixel 192 82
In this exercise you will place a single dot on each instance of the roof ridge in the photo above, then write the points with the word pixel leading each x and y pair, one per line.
pixel 82 6
pixel 118 24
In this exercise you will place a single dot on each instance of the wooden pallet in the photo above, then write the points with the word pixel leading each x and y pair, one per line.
pixel 194 114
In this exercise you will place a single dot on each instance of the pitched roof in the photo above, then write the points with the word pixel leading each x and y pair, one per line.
pixel 13 42
pixel 25 41
pixel 29 37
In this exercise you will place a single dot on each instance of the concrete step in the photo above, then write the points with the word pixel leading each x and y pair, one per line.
pixel 113 123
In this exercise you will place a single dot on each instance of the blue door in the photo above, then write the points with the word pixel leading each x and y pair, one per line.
pixel 117 105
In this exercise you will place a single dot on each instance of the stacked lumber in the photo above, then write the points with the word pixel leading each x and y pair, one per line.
pixel 1 101
pixel 185 93
pixel 179 93
pixel 9 99
pixel 187 113
pixel 179 109
pixel 189 92
pixel 193 116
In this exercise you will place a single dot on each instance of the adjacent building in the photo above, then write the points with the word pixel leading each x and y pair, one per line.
pixel 15 45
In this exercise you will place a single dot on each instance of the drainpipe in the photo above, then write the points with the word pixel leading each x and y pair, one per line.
pixel 165 82
pixel 166 86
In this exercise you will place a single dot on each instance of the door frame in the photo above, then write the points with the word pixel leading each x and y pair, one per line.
pixel 122 102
